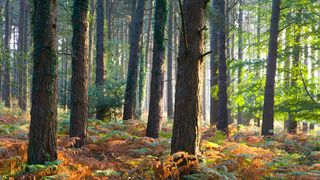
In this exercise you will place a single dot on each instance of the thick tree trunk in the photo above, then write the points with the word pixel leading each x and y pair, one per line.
pixel 132 78
pixel 186 134
pixel 6 90
pixel 169 63
pixel 268 108
pixel 214 110
pixel 156 93
pixel 79 80
pixel 99 58
pixel 222 123
pixel 42 136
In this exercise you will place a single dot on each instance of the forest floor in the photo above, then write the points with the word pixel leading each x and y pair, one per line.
pixel 118 150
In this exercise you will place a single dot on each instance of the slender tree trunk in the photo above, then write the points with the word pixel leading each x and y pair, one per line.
pixel 186 134
pixel 268 108
pixel 214 110
pixel 169 63
pixel 292 122
pixel 6 91
pixel 132 78
pixel 156 93
pixel 99 58
pixel 42 145
pixel 142 77
pixel 20 51
pixel 79 80
pixel 91 39
pixel 222 123
pixel 240 57
pixel 24 73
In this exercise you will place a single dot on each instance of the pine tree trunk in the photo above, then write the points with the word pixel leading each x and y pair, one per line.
pixel 214 68
pixel 6 90
pixel 91 39
pixel 42 145
pixel 132 78
pixel 99 58
pixel 186 134
pixel 222 123
pixel 156 92
pixel 79 80
pixel 268 108
pixel 169 63
pixel 240 57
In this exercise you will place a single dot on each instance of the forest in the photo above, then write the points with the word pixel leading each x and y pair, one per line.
pixel 160 89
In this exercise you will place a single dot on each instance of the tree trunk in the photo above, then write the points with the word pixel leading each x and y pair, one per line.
pixel 186 134
pixel 132 78
pixel 6 91
pixel 214 110
pixel 156 92
pixel 42 145
pixel 222 123
pixel 240 57
pixel 99 58
pixel 91 40
pixel 169 63
pixel 268 108
pixel 79 80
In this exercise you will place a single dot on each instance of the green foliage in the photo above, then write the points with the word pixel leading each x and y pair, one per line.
pixel 218 138
pixel 109 97
pixel 108 172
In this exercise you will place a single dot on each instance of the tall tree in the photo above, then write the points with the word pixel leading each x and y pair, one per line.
pixel 156 93
pixel 79 80
pixel 214 65
pixel 240 57
pixel 100 54
pixel 222 123
pixel 169 63
pixel 186 134
pixel 42 145
pixel 6 91
pixel 268 108
pixel 132 78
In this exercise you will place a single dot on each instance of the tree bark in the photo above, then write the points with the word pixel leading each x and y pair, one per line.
pixel 42 145
pixel 214 110
pixel 222 123
pixel 132 78
pixel 240 57
pixel 186 134
pixel 79 80
pixel 156 93
pixel 268 108
pixel 100 56
pixel 6 91
pixel 169 63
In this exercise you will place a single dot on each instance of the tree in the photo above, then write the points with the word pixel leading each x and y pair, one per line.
pixel 6 91
pixel 186 134
pixel 268 108
pixel 240 57
pixel 156 93
pixel 79 80
pixel 100 54
pixel 214 66
pixel 42 145
pixel 133 67
pixel 222 123
pixel 170 63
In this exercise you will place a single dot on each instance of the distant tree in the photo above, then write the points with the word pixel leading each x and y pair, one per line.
pixel 240 56
pixel 156 92
pixel 42 145
pixel 6 90
pixel 133 67
pixel 79 80
pixel 214 65
pixel 268 108
pixel 100 55
pixel 186 134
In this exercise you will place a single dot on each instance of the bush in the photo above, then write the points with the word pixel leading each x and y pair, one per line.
pixel 109 97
